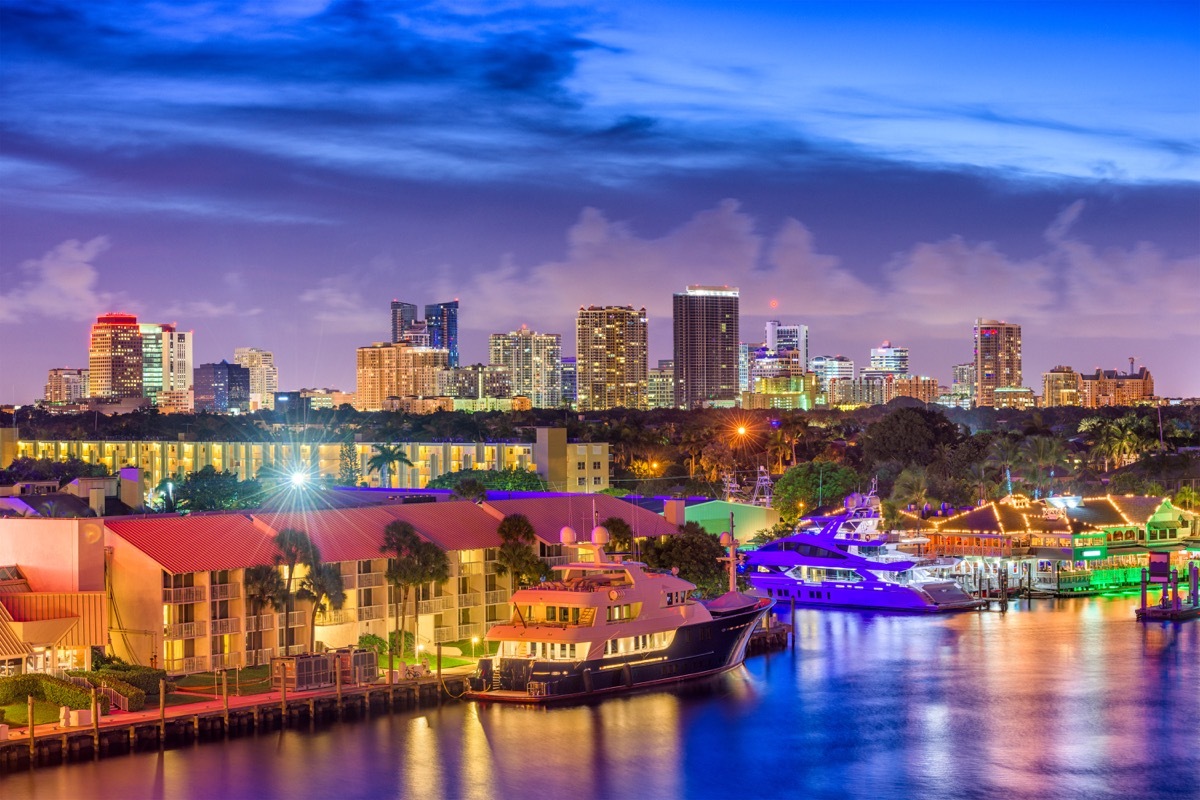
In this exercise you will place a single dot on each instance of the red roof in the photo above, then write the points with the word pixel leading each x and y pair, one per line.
pixel 199 542
pixel 582 512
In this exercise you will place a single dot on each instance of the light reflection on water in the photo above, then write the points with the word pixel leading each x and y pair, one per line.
pixel 1064 699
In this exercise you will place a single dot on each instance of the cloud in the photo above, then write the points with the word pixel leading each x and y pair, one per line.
pixel 62 284
pixel 341 308
pixel 206 309
pixel 1061 226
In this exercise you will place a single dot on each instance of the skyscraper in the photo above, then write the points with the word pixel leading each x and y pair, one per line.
pixel 442 322
pixel 889 359
pixel 706 346
pixel 65 385
pixel 997 359
pixel 830 367
pixel 782 337
pixel 166 359
pixel 264 376
pixel 660 385
pixel 115 357
pixel 534 361
pixel 570 384
pixel 403 316
pixel 387 369
pixel 221 388
pixel 611 358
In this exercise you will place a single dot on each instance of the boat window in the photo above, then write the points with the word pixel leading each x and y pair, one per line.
pixel 550 615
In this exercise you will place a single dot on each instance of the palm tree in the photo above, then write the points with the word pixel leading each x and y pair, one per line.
pixel 431 565
pixel 470 489
pixel 779 444
pixel 1005 453
pixel 912 488
pixel 1187 497
pixel 400 543
pixel 385 456
pixel 322 583
pixel 292 547
pixel 263 588
pixel 516 557
pixel 1041 456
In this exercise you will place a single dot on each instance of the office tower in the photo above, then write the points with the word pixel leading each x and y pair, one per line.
pixel 166 359
pixel 889 359
pixel 660 385
pixel 828 367
pixel 997 359
pixel 115 357
pixel 221 388
pixel 570 385
pixel 403 316
pixel 534 361
pixel 65 386
pixel 963 383
pixel 441 319
pixel 1061 386
pixel 264 376
pixel 746 352
pixel 706 346
pixel 611 358
pixel 787 337
pixel 387 369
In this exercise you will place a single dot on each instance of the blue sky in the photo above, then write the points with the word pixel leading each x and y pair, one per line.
pixel 272 174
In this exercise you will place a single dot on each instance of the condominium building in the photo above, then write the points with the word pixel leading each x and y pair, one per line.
pixel 570 381
pixel 387 369
pixel 782 337
pixel 889 359
pixel 1106 387
pixel 794 392
pixel 611 358
pixel 706 346
pixel 166 359
pixel 924 389
pixel 475 382
pixel 1061 386
pixel 441 320
pixel 997 359
pixel 221 388
pixel 65 386
pixel 264 376
pixel 115 357
pixel 660 385
pixel 403 316
pixel 830 367
pixel 534 360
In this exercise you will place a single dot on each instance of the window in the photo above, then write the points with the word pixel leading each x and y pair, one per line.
pixel 551 616
pixel 596 480
pixel 595 465
pixel 581 465
pixel 582 481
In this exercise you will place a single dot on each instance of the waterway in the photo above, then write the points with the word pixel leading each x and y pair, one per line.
pixel 1055 699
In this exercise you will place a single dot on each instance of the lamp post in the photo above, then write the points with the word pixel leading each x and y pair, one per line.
pixel 474 649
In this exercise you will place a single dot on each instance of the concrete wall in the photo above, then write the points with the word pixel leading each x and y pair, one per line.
pixel 56 555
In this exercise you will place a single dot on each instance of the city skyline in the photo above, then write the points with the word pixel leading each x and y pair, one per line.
pixel 274 174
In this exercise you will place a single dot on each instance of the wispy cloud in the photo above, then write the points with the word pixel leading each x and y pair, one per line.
pixel 62 284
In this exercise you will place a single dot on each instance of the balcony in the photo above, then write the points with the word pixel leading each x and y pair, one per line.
pixel 434 605
pixel 225 591
pixel 264 622
pixel 368 613
pixel 557 561
pixel 186 594
pixel 470 599
pixel 495 598
pixel 295 650
pixel 446 633
pixel 349 580
pixel 187 665
pixel 336 616
pixel 366 580
pixel 226 661
pixel 292 619
pixel 185 630
pixel 470 568
pixel 256 658
pixel 223 627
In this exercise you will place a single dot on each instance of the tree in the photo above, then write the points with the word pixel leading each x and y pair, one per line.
pixel 349 473
pixel 909 436
pixel 810 485
pixel 387 455
pixel 912 489
pixel 207 489
pixel 1043 459
pixel 1187 497
pixel 621 535
pixel 1005 454
pixel 400 542
pixel 292 547
pixel 695 553
pixel 501 480
pixel 516 557
pixel 322 585
pixel 470 489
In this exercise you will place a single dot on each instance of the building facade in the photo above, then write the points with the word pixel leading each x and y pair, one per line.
pixel 570 381
pixel 534 360
pixel 441 320
pixel 889 359
pixel 660 385
pixel 264 376
pixel 997 359
pixel 66 386
pixel 706 328
pixel 1061 386
pixel 827 368
pixel 403 317
pixel 387 369
pixel 221 388
pixel 782 337
pixel 115 357
pixel 611 361
pixel 1106 388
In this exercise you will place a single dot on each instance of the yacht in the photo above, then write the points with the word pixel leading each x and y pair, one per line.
pixel 604 625
pixel 846 561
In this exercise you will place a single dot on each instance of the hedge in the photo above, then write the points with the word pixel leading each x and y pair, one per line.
pixel 16 688
pixel 136 697
pixel 143 678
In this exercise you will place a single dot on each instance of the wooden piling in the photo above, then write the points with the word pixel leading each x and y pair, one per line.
pixel 439 672
pixel 225 701
pixel 95 725
pixel 31 727
pixel 162 714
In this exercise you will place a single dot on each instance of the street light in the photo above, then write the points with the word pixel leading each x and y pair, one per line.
pixel 474 641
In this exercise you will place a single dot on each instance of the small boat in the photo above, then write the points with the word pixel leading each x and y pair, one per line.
pixel 603 626
pixel 846 561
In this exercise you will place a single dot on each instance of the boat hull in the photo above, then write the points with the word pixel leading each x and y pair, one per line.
pixel 698 650
pixel 875 596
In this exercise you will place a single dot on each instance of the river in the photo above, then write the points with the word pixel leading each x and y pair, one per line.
pixel 1055 699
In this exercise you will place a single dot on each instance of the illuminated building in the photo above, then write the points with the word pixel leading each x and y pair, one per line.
pixel 706 346
pixel 1020 398
pixel 997 359
pixel 403 316
pixel 176 401
pixel 1061 386
pixel 611 358
pixel 660 385
pixel 115 357
pixel 441 320
pixel 475 381
pixel 166 359
pixel 926 390
pixel 386 369
pixel 889 359
pixel 796 392
pixel 221 388
pixel 1107 387
pixel 570 384
pixel 829 367
pixel 868 391
pixel 771 364
pixel 65 386
pixel 264 376
pixel 534 360
pixel 782 337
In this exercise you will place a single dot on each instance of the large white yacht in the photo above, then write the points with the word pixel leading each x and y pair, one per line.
pixel 606 626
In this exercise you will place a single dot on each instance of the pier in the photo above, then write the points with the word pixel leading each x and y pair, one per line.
pixel 1171 607
pixel 220 718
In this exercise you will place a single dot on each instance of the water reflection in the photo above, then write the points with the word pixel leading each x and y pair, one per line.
pixel 1055 699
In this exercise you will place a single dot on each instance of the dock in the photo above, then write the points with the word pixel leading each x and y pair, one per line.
pixel 1172 606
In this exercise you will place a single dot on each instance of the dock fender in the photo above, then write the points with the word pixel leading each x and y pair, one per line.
pixel 587 679
pixel 627 674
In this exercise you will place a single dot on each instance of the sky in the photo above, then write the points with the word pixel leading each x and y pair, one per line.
pixel 273 174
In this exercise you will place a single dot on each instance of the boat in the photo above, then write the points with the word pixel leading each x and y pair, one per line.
pixel 605 625
pixel 846 561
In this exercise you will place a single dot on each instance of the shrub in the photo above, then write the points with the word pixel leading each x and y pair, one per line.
pixel 143 678
pixel 15 688
pixel 135 696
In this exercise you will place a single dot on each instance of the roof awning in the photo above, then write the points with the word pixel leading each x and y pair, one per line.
pixel 1164 525
pixel 43 632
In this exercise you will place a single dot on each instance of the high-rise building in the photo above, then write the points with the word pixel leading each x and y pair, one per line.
pixel 706 346
pixel 390 369
pixel 829 367
pixel 115 357
pixel 221 388
pixel 570 384
pixel 1061 386
pixel 264 375
pixel 534 360
pixel 403 316
pixel 660 385
pixel 782 337
pixel 997 359
pixel 611 358
pixel 65 386
pixel 166 359
pixel 441 319
pixel 475 382
pixel 963 380
pixel 1108 387
pixel 889 359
